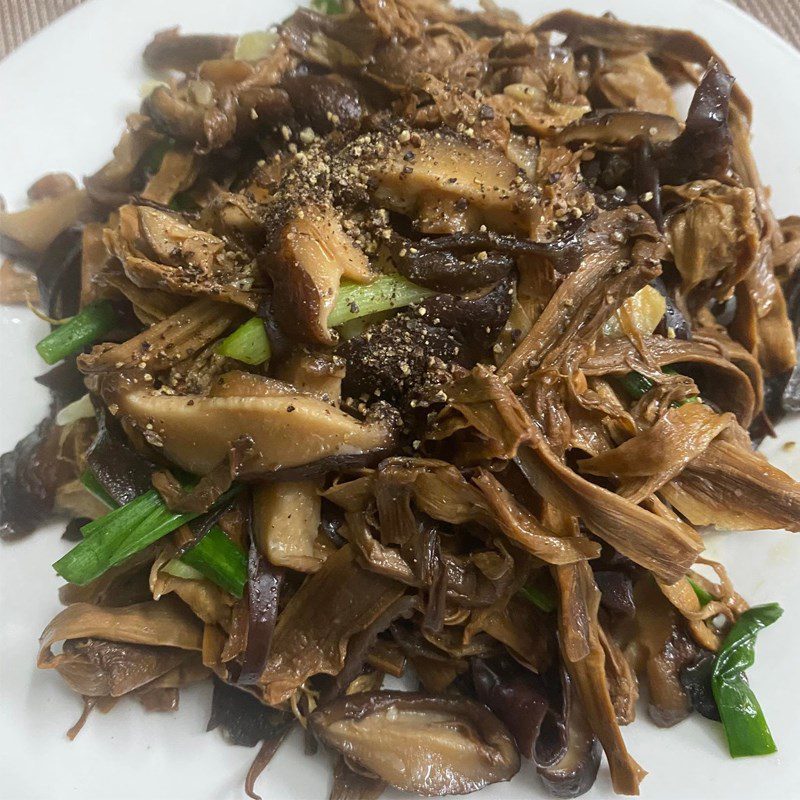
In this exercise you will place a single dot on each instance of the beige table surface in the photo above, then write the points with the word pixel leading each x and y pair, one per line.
pixel 20 19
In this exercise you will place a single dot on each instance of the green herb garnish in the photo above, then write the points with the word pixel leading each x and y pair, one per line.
pixel 84 328
pixel 745 727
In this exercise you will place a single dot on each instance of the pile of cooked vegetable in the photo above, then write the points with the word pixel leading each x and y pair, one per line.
pixel 414 342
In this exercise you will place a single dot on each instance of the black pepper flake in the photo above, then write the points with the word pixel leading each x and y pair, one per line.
pixel 485 112
pixel 289 409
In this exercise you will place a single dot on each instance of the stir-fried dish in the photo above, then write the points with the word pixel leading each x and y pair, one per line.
pixel 402 341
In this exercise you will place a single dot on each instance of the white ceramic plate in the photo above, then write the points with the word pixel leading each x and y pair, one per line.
pixel 63 97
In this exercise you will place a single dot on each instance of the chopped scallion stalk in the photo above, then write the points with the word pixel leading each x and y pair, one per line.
pixel 97 489
pixel 214 557
pixel 745 727
pixel 120 534
pixel 328 6
pixel 636 384
pixel 703 596
pixel 248 343
pixel 541 599
pixel 356 300
pixel 179 569
pixel 217 558
pixel 84 328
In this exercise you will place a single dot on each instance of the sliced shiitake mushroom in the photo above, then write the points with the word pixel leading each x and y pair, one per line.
pixel 575 773
pixel 279 430
pixel 33 229
pixel 449 183
pixel 426 744
pixel 620 127
pixel 323 102
pixel 311 254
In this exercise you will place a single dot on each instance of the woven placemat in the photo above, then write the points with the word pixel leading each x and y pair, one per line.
pixel 20 19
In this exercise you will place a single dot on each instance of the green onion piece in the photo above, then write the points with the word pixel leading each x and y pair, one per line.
pixel 97 489
pixel 214 557
pixel 85 328
pixel 540 598
pixel 356 300
pixel 636 384
pixel 745 727
pixel 703 596
pixel 177 568
pixel 217 558
pixel 120 534
pixel 693 399
pixel 248 343
pixel 328 6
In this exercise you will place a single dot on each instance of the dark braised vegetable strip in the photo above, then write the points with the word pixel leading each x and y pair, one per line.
pixel 746 728
pixel 30 475
pixel 114 464
pixel 243 719
pixel 262 603
pixel 89 480
pixel 84 328
pixel 703 150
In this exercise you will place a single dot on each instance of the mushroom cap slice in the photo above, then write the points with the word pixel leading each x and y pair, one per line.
pixel 426 744
pixel 452 184
pixel 281 430
pixel 311 255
